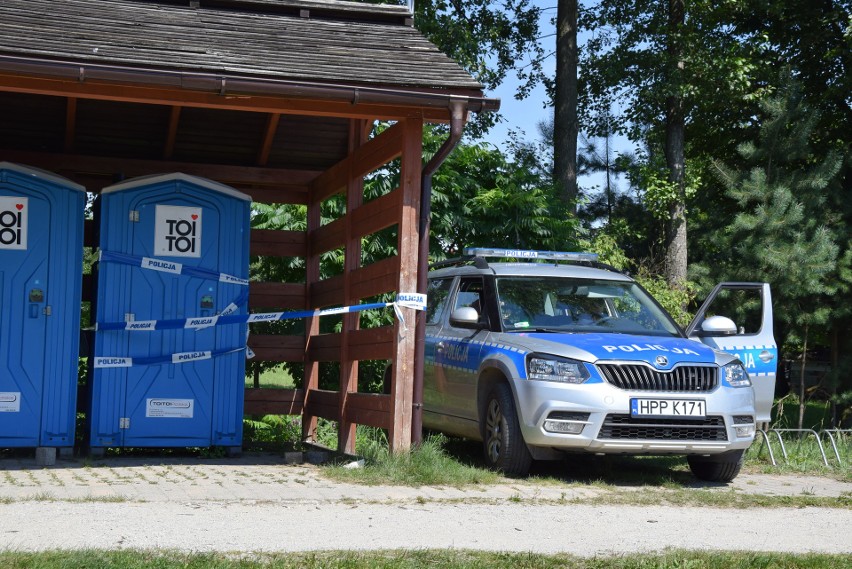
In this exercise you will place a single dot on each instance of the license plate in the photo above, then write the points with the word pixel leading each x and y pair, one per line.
pixel 668 408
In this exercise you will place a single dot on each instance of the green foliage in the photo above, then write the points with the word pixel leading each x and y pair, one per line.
pixel 488 39
pixel 482 198
pixel 673 299
pixel 783 233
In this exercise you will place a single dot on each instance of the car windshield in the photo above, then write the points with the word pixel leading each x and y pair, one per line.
pixel 562 304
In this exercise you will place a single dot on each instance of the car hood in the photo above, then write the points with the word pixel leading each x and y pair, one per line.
pixel 594 347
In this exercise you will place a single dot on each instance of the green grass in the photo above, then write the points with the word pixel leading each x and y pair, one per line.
pixel 415 559
pixel 276 377
pixel 427 465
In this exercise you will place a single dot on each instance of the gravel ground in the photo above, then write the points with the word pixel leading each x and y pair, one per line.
pixel 256 504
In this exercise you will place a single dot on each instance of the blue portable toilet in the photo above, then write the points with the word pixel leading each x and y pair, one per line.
pixel 173 248
pixel 41 266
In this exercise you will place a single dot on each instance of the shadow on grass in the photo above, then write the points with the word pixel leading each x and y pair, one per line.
pixel 613 470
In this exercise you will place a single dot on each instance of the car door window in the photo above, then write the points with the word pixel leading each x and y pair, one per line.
pixel 437 298
pixel 471 294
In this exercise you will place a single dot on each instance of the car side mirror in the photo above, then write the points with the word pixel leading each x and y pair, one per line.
pixel 718 326
pixel 465 317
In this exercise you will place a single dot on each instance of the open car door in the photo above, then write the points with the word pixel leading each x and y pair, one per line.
pixel 751 339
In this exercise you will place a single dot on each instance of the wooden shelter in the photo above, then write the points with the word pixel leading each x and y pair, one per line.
pixel 276 98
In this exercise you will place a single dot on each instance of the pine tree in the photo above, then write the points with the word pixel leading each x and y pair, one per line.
pixel 784 232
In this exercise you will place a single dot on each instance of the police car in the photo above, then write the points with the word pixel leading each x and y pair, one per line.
pixel 549 353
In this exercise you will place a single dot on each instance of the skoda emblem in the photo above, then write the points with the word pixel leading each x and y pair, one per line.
pixel 661 361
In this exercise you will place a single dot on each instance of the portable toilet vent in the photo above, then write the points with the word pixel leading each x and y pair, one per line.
pixel 41 250
pixel 174 256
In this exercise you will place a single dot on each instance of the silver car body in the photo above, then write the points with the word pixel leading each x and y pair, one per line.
pixel 628 372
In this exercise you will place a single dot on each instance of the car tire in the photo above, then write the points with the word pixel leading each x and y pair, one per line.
pixel 720 468
pixel 504 446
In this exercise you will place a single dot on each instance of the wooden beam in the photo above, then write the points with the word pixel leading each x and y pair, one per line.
pixel 377 214
pixel 269 401
pixel 402 382
pixel 274 295
pixel 377 278
pixel 369 409
pixel 278 243
pixel 282 180
pixel 70 123
pixel 171 135
pixel 358 134
pixel 321 403
pixel 277 348
pixel 268 139
pixel 161 95
pixel 372 155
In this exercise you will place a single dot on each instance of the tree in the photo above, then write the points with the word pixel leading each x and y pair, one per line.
pixel 486 38
pixel 665 75
pixel 566 123
pixel 784 233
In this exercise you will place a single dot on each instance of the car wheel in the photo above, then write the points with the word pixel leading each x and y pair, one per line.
pixel 720 468
pixel 505 449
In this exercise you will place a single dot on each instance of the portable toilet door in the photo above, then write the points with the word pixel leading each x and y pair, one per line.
pixel 41 265
pixel 173 253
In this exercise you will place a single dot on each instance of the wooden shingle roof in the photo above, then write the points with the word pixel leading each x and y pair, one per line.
pixel 317 41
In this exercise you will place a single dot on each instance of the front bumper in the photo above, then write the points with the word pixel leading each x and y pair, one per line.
pixel 610 429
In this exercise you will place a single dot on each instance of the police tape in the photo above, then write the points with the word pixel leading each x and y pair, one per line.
pixel 406 300
pixel 172 267
pixel 105 362
pixel 403 300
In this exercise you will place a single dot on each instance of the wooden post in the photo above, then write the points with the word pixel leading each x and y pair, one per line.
pixel 352 262
pixel 310 381
pixel 403 369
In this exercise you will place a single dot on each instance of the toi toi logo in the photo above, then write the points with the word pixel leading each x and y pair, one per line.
pixel 13 222
pixel 178 231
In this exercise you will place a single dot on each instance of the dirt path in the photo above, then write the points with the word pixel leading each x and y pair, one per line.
pixel 257 504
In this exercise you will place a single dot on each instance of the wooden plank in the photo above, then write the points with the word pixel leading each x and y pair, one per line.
pixel 371 343
pixel 266 145
pixel 329 236
pixel 325 348
pixel 280 296
pixel 377 278
pixel 205 95
pixel 236 176
pixel 277 348
pixel 171 135
pixel 270 401
pixel 328 292
pixel 322 403
pixel 378 214
pixel 372 155
pixel 278 243
pixel 369 409
pixel 70 124
pixel 399 436
pixel 365 344
pixel 358 133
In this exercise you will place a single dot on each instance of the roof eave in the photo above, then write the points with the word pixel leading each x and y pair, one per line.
pixel 233 84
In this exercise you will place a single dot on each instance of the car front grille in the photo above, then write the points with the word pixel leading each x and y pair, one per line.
pixel 625 427
pixel 640 377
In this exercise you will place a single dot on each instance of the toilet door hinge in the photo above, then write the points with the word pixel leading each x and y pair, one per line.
pixel 47 310
pixel 124 423
pixel 134 215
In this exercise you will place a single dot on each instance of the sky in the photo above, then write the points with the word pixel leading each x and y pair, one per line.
pixel 524 116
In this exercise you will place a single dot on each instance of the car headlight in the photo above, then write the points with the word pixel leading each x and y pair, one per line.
pixel 736 375
pixel 561 370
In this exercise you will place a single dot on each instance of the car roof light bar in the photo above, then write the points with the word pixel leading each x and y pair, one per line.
pixel 526 254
